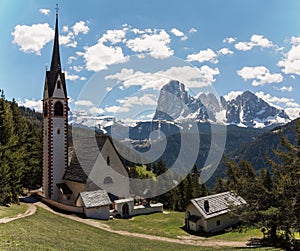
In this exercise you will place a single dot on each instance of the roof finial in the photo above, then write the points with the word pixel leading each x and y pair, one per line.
pixel 57 9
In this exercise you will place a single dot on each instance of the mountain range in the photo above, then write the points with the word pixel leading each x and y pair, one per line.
pixel 246 110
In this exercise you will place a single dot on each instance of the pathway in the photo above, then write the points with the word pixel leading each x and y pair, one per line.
pixel 30 211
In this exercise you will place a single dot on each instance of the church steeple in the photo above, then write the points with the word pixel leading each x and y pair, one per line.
pixel 55 63
pixel 55 72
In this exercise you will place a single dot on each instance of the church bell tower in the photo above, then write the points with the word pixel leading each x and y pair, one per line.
pixel 55 123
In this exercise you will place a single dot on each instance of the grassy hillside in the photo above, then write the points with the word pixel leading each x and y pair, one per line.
pixel 46 231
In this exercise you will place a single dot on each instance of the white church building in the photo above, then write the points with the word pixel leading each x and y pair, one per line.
pixel 67 184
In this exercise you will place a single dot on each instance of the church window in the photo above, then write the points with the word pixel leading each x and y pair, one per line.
pixel 218 222
pixel 108 180
pixel 58 84
pixel 46 110
pixel 58 109
pixel 108 161
pixel 58 131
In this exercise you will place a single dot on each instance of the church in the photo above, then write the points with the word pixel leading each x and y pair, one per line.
pixel 77 178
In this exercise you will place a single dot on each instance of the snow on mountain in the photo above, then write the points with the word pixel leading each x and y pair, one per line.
pixel 243 109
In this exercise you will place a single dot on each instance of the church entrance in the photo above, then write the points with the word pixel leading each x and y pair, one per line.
pixel 125 210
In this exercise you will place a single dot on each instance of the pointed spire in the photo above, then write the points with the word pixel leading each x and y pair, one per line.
pixel 55 63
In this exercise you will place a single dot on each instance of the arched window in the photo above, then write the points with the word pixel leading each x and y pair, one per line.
pixel 108 180
pixel 58 109
pixel 46 110
pixel 108 161
pixel 58 84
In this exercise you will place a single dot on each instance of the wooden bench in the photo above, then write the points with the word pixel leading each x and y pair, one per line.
pixel 254 242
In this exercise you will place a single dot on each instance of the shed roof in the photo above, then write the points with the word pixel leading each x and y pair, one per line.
pixel 96 198
pixel 218 204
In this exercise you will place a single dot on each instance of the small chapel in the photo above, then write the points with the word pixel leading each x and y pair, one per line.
pixel 77 178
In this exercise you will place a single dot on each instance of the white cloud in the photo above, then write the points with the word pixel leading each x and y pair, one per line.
pixel 290 106
pixel 71 77
pixel 146 99
pixel 45 11
pixel 156 44
pixel 260 74
pixel 255 40
pixel 80 27
pixel 286 88
pixel 202 56
pixel 116 109
pixel 84 103
pixel 99 56
pixel 96 110
pixel 33 38
pixel 83 78
pixel 291 60
pixel 70 59
pixel 77 68
pixel 225 51
pixel 68 40
pixel 232 95
pixel 178 33
pixel 229 40
pixel 113 36
pixel 65 28
pixel 192 77
pixel 31 103
pixel 192 30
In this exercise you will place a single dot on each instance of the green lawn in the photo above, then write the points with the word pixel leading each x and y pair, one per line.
pixel 12 210
pixel 170 225
pixel 47 231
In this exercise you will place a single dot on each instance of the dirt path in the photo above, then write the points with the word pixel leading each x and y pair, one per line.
pixel 193 240
pixel 30 211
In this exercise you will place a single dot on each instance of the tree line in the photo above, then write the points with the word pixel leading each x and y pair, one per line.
pixel 20 151
pixel 273 196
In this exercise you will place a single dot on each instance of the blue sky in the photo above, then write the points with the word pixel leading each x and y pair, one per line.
pixel 233 45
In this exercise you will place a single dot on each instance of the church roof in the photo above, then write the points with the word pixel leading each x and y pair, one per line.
pixel 88 152
pixel 217 204
pixel 55 68
pixel 96 198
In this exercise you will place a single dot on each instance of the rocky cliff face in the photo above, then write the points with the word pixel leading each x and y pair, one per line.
pixel 246 110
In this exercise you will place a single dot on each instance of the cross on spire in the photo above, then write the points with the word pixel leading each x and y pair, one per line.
pixel 57 9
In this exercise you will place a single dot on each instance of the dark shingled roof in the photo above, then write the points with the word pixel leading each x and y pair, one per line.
pixel 64 188
pixel 96 198
pixel 78 170
pixel 218 204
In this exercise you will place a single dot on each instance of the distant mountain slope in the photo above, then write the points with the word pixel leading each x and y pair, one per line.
pixel 246 110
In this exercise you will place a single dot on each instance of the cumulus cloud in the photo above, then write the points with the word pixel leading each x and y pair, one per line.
pixel 156 44
pixel 203 56
pixel 70 59
pixel 45 11
pixel 71 77
pixel 260 74
pixel 291 60
pixel 68 40
pixel 99 56
pixel 146 99
pixel 113 36
pixel 84 103
pixel 80 27
pixel 232 95
pixel 96 110
pixel 192 30
pixel 116 109
pixel 37 105
pixel 77 68
pixel 179 33
pixel 229 40
pixel 286 88
pixel 255 40
pixel 225 51
pixel 192 77
pixel 32 39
